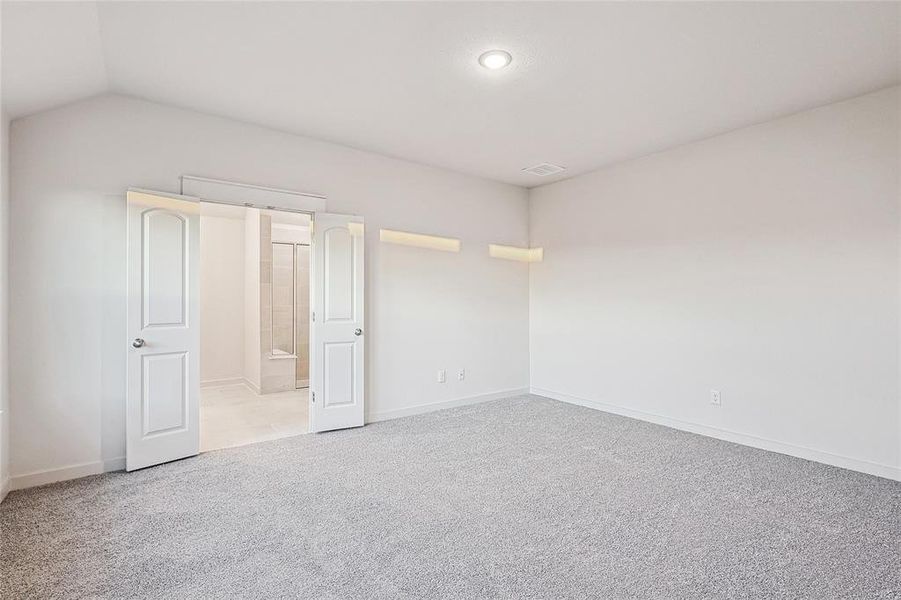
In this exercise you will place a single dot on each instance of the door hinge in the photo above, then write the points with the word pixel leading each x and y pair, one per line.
pixel 314 396
pixel 313 315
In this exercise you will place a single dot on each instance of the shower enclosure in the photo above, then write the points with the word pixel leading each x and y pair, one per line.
pixel 290 306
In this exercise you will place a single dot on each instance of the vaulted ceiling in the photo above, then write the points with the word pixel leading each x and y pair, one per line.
pixel 590 83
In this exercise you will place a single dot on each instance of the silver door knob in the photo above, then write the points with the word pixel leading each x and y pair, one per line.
pixel 137 343
pixel 358 331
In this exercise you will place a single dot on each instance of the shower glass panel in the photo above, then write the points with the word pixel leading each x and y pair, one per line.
pixel 282 298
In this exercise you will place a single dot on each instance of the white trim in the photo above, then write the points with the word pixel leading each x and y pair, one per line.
pixel 210 180
pixel 221 382
pixel 433 406
pixel 4 488
pixel 835 460
pixel 20 482
pixel 114 464
pixel 253 387
pixel 245 194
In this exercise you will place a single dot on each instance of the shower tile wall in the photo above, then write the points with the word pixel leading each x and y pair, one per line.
pixel 283 298
pixel 276 374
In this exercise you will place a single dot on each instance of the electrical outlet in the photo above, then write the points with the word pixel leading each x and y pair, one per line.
pixel 461 374
pixel 442 376
pixel 715 398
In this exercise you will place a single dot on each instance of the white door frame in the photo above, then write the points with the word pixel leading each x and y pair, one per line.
pixel 252 196
pixel 201 189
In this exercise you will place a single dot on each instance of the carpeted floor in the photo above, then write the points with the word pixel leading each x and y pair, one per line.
pixel 519 498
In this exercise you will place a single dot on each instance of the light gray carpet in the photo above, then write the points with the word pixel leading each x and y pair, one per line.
pixel 519 498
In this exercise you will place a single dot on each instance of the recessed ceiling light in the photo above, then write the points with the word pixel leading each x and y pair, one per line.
pixel 495 59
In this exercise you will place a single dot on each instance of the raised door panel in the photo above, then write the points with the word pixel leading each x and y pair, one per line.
pixel 339 374
pixel 165 260
pixel 164 393
pixel 339 264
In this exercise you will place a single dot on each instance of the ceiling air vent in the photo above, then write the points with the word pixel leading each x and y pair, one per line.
pixel 544 169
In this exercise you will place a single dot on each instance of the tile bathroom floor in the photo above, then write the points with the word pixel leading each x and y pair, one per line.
pixel 235 415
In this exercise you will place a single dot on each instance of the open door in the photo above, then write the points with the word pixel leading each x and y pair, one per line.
pixel 336 357
pixel 163 380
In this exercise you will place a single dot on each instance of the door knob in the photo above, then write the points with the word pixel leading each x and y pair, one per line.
pixel 358 331
pixel 137 343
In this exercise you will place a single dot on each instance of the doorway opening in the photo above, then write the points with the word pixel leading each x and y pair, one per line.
pixel 254 324
pixel 167 259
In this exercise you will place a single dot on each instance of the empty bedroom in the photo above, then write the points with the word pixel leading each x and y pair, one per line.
pixel 450 300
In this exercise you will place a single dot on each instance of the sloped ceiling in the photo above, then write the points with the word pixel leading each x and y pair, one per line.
pixel 590 84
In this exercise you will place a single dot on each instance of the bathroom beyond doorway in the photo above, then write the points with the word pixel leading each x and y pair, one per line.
pixel 254 324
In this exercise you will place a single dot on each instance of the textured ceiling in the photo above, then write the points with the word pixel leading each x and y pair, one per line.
pixel 590 83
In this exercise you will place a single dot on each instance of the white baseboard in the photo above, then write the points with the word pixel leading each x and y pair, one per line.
pixel 835 460
pixel 20 482
pixel 433 406
pixel 4 488
pixel 253 387
pixel 114 464
pixel 218 382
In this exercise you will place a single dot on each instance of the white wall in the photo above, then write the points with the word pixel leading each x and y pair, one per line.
pixel 221 298
pixel 763 263
pixel 426 310
pixel 4 303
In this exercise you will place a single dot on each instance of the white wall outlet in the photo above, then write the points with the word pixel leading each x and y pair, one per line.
pixel 442 376
pixel 461 374
pixel 715 398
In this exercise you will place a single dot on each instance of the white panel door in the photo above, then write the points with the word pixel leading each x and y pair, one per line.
pixel 336 359
pixel 163 380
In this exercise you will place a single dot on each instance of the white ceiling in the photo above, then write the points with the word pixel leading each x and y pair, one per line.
pixel 590 84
